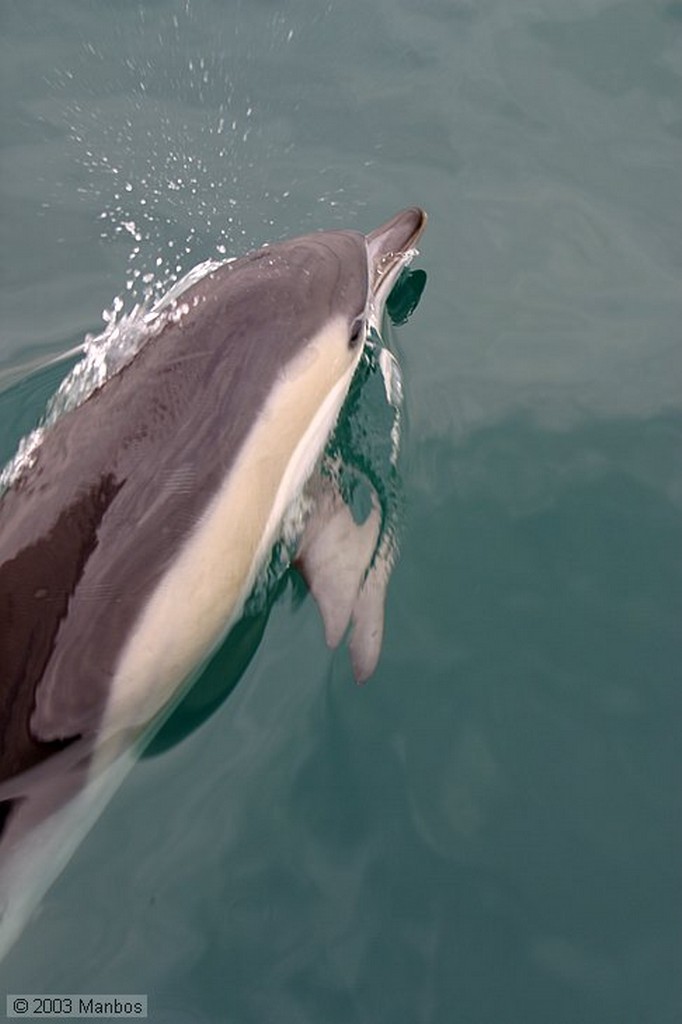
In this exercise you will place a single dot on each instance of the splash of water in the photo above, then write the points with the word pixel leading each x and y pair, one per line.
pixel 104 355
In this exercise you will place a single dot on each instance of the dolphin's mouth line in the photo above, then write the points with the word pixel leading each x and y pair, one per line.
pixel 384 273
pixel 390 248
pixel 393 261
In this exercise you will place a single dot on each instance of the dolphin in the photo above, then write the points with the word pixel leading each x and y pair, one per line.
pixel 129 548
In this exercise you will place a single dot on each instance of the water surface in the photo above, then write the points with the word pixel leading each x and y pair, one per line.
pixel 490 831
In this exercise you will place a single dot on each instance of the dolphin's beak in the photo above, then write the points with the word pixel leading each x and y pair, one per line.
pixel 390 248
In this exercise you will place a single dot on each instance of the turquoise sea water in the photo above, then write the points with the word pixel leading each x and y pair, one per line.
pixel 490 830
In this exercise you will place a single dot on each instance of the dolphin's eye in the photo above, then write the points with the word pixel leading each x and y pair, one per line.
pixel 357 330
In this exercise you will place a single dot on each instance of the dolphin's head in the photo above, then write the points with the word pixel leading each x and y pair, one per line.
pixel 286 298
pixel 359 271
pixel 340 276
pixel 387 250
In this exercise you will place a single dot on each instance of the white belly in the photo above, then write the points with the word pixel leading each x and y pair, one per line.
pixel 203 592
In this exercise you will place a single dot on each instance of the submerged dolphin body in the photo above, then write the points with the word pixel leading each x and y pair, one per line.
pixel 129 548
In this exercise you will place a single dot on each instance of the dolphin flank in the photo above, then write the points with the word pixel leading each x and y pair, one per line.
pixel 129 547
